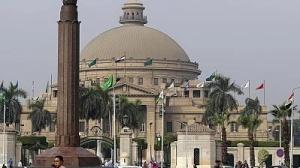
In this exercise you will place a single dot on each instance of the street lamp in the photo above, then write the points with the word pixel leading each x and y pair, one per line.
pixel 186 130
pixel 292 132
pixel 2 98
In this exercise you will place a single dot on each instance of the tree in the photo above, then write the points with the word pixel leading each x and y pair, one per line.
pixel 262 157
pixel 220 103
pixel 13 105
pixel 94 103
pixel 40 117
pixel 249 118
pixel 133 110
pixel 281 113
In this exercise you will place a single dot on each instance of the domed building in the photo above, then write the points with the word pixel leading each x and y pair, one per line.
pixel 146 61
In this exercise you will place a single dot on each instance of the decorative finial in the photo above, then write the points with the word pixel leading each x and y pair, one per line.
pixel 70 2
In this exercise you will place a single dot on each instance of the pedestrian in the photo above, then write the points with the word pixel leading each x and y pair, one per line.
pixel 20 164
pixel 217 164
pixel 58 162
pixel 245 164
pixel 3 166
pixel 10 163
pixel 145 164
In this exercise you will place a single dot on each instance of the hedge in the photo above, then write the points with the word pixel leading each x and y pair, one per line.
pixel 256 143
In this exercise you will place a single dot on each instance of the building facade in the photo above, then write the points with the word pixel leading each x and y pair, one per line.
pixel 153 61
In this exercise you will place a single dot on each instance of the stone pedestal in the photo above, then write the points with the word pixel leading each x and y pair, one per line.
pixel 74 157
pixel 125 146
pixel 134 154
pixel 8 146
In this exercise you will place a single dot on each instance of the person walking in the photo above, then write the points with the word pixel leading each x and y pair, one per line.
pixel 20 164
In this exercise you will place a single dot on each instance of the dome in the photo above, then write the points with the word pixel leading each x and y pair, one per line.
pixel 136 42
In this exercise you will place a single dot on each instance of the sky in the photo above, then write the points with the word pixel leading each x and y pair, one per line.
pixel 252 40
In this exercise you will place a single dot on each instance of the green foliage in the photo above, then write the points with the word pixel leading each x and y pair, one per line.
pixel 256 143
pixel 262 157
pixel 33 142
pixel 134 111
pixel 40 117
pixel 141 143
pixel 168 139
pixel 13 106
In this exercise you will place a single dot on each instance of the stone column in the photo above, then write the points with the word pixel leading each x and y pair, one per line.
pixel 151 128
pixel 240 152
pixel 134 154
pixel 67 135
pixel 125 146
pixel 173 154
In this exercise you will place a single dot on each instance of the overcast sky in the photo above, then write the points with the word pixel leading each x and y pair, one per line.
pixel 244 39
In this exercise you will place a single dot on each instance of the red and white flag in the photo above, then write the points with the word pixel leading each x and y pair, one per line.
pixel 291 98
pixel 261 86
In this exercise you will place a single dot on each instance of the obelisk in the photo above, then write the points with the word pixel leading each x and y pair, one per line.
pixel 67 134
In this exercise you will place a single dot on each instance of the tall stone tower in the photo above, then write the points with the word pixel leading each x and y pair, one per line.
pixel 67 136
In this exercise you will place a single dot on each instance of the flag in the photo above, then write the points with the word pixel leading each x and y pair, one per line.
pixel 291 98
pixel 171 86
pixel 245 85
pixel 108 83
pixel 261 86
pixel 92 63
pixel 211 77
pixel 161 96
pixel 201 85
pixel 148 62
pixel 120 59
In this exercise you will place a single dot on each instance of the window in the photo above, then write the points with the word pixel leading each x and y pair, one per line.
pixel 183 125
pixel 155 81
pixel 130 79
pixel 81 126
pixel 196 156
pixel 52 124
pixel 186 93
pixel 196 93
pixel 233 127
pixel 141 81
pixel 142 128
pixel 55 93
pixel 169 127
pixel 97 81
pixel 164 80
pixel 206 93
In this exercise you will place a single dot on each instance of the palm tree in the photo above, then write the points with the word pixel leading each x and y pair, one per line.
pixel 220 103
pixel 94 104
pixel 249 118
pixel 40 117
pixel 13 105
pixel 281 113
pixel 133 110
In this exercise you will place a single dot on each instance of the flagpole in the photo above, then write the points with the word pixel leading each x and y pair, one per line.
pixel 125 67
pixel 249 89
pixel 264 92
pixel 162 131
pixel 114 127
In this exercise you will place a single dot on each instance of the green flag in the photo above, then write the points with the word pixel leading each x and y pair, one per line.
pixel 211 77
pixel 108 83
pixel 148 62
pixel 92 63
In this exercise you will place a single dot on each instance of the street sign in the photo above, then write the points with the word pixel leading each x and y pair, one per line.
pixel 280 152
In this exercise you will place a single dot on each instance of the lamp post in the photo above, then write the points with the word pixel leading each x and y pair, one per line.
pixel 186 130
pixel 292 132
pixel 2 97
pixel 150 124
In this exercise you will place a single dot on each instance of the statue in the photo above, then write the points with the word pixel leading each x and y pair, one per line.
pixel 70 2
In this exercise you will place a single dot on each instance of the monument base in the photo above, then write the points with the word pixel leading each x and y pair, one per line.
pixel 74 157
